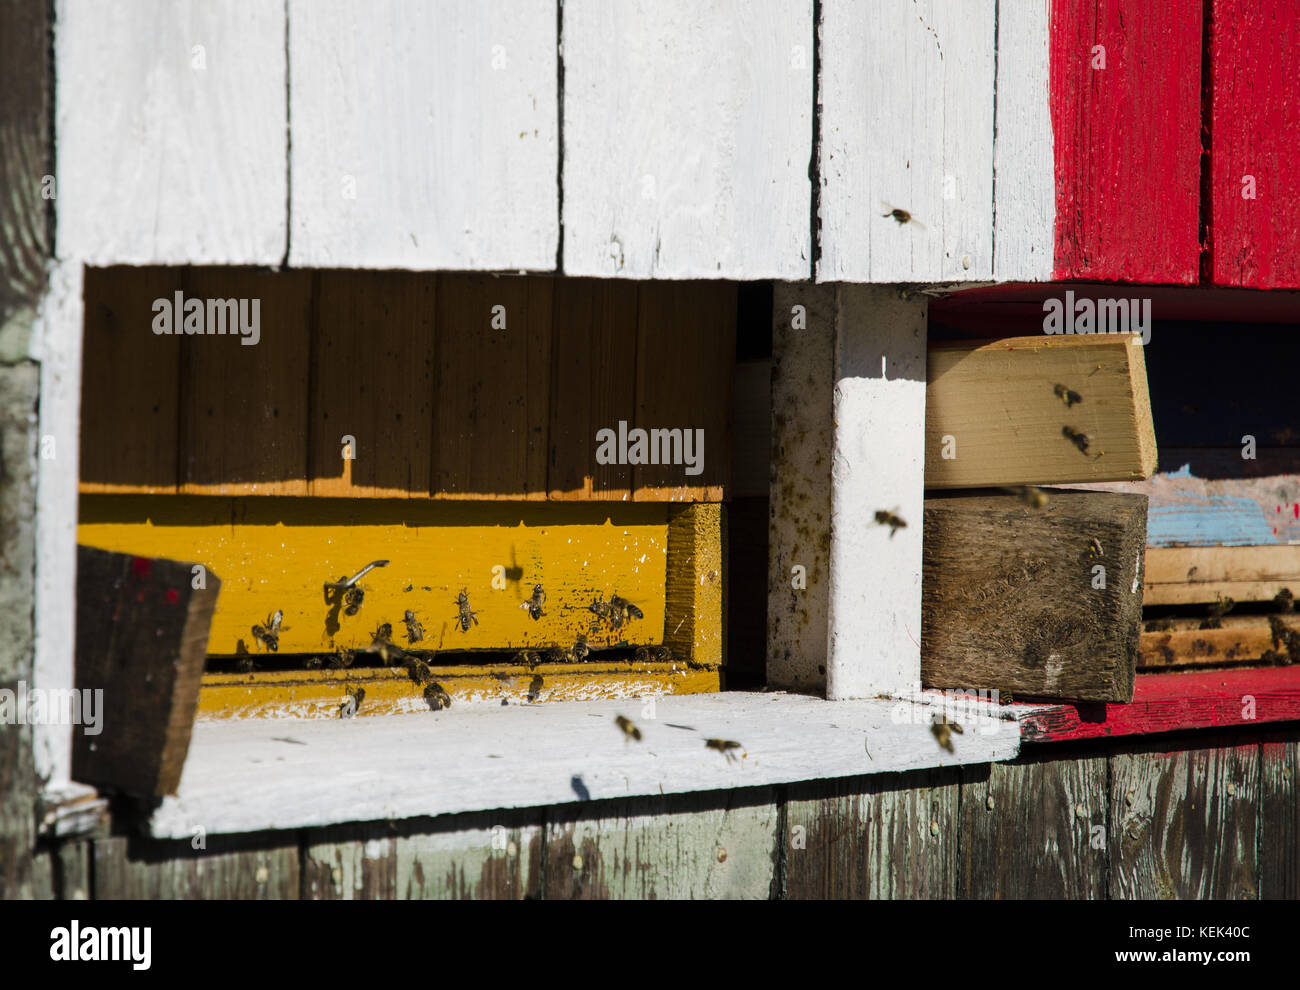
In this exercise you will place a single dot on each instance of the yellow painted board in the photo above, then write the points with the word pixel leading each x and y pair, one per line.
pixel 389 691
pixel 277 554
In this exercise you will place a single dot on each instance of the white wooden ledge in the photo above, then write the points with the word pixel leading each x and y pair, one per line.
pixel 252 775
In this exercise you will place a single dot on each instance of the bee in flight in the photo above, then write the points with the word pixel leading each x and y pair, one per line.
pixel 436 698
pixel 534 604
pixel 900 216
pixel 724 746
pixel 1033 497
pixel 269 634
pixel 942 730
pixel 1068 396
pixel 1080 440
pixel 464 614
pixel 630 731
pixel 894 523
pixel 414 631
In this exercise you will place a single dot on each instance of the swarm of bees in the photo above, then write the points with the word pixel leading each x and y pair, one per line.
pixel 942 731
pixel 436 698
pixel 724 746
pixel 630 731
pixel 414 631
pixel 352 703
pixel 269 634
pixel 894 523
pixel 534 604
pixel 1068 396
pixel 464 615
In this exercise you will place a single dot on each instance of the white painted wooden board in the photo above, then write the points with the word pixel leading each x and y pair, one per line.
pixel 170 123
pixel 907 120
pixel 424 136
pixel 1024 209
pixel 247 776
pixel 878 464
pixel 687 138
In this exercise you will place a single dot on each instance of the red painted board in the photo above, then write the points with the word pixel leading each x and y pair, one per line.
pixel 1171 702
pixel 1255 132
pixel 1127 139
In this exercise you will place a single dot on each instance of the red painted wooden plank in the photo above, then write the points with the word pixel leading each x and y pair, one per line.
pixel 1170 702
pixel 1255 132
pixel 1127 139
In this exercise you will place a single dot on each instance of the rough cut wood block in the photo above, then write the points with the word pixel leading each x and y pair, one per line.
pixel 1010 596
pixel 993 415
pixel 142 635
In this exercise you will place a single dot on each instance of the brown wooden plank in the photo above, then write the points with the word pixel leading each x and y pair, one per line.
pixel 593 365
pixel 1183 823
pixel 1034 828
pixel 130 410
pixel 245 867
pixel 1244 639
pixel 1008 596
pixel 246 405
pixel 888 836
pixel 373 380
pixel 696 583
pixel 686 347
pixel 491 856
pixel 1185 575
pixel 716 845
pixel 1279 818
pixel 493 384
pixel 142 637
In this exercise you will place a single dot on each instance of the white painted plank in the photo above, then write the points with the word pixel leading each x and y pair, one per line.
pixel 424 136
pixel 294 773
pixel 878 464
pixel 687 138
pixel 907 120
pixel 1024 208
pixel 170 122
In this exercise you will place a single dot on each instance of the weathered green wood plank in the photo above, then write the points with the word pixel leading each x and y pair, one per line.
pixel 246 867
pixel 713 845
pixel 1035 829
pixel 887 836
pixel 1279 819
pixel 1183 822
pixel 494 856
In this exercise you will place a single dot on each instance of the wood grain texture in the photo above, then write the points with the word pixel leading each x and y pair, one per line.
pixel 719 846
pixel 492 856
pixel 492 387
pixel 1279 818
pixel 1024 197
pixel 694 164
pixel 201 867
pixel 803 382
pixel 890 836
pixel 1030 829
pixel 245 407
pixel 171 131
pixel 997 402
pixel 1010 596
pixel 1127 139
pixel 1255 132
pixel 695 586
pixel 877 464
pixel 374 381
pixel 423 137
pixel 1184 575
pixel 1183 824
pixel 907 123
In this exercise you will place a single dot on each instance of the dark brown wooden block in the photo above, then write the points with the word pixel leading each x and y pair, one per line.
pixel 1010 599
pixel 142 636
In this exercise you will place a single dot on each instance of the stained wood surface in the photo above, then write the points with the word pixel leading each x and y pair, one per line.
pixel 1184 823
pixel 721 846
pixel 251 867
pixel 142 636
pixel 1010 598
pixel 878 837
pixel 1279 818
pixel 1183 575
pixel 998 403
pixel 1244 639
pixel 1127 139
pixel 172 138
pixel 423 137
pixel 907 122
pixel 696 164
pixel 1029 829
pixel 695 584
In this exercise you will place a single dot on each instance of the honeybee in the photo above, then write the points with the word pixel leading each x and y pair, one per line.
pixel 313 663
pixel 604 610
pixel 269 635
pixel 629 729
pixel 556 655
pixel 352 702
pixel 1080 440
pixel 642 655
pixel 414 631
pixel 436 698
pixel 1033 497
pixel 534 604
pixel 1094 548
pixel 661 654
pixel 419 671
pixel 724 746
pixel 382 643
pixel 942 730
pixel 894 523
pixel 535 687
pixel 353 593
pixel 1068 396
pixel 464 614
pixel 352 599
pixel 342 659
pixel 900 216
pixel 623 611
pixel 1284 600
pixel 579 649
